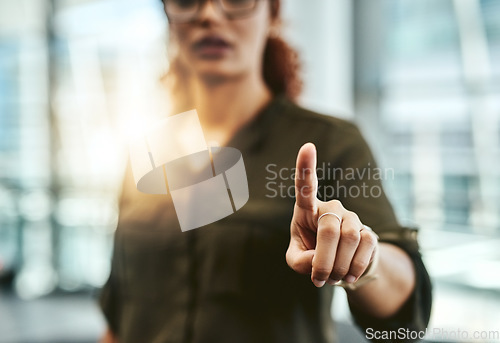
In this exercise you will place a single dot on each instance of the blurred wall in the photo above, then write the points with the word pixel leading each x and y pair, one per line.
pixel 420 77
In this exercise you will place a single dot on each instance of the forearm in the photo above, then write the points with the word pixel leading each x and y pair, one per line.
pixel 384 296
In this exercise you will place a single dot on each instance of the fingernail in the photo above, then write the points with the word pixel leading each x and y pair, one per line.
pixel 332 282
pixel 350 278
pixel 318 283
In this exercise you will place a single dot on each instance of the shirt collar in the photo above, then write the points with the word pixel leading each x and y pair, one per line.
pixel 252 135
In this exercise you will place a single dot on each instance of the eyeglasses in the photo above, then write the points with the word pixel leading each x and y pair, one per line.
pixel 182 11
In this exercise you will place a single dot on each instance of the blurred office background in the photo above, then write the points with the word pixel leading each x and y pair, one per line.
pixel 421 77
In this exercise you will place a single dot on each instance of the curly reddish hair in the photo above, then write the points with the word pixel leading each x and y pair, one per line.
pixel 280 68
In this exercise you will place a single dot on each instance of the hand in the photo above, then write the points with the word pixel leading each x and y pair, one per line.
pixel 108 337
pixel 333 249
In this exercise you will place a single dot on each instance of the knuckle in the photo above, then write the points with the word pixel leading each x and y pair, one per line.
pixel 369 238
pixel 335 204
pixel 322 272
pixel 340 271
pixel 353 216
pixel 358 267
pixel 350 235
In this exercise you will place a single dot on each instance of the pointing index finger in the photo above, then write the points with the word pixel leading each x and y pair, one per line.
pixel 306 181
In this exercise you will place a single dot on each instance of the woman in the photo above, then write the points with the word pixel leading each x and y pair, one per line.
pixel 265 273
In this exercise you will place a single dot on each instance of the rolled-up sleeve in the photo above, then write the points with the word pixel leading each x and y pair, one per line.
pixel 415 313
pixel 358 182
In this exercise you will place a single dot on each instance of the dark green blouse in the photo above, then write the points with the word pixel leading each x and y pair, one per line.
pixel 229 281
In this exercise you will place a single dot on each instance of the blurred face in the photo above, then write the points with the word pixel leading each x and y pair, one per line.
pixel 214 45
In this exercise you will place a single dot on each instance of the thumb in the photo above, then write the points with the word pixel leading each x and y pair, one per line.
pixel 298 258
